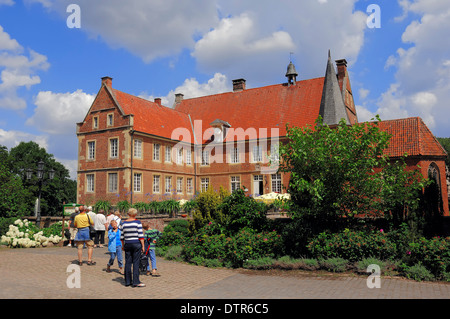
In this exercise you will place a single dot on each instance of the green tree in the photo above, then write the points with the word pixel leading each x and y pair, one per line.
pixel 242 211
pixel 12 192
pixel 54 192
pixel 343 171
pixel 445 142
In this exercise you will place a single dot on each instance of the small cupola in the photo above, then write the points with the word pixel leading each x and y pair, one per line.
pixel 291 74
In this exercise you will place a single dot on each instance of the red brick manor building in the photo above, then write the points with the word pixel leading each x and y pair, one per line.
pixel 135 147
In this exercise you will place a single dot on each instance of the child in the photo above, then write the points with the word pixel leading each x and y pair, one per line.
pixel 114 247
pixel 151 235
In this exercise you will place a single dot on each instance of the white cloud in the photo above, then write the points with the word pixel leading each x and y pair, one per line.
pixel 422 86
pixel 250 39
pixel 6 2
pixel 191 88
pixel 70 165
pixel 363 93
pixel 148 29
pixel 236 40
pixel 57 113
pixel 19 70
pixel 13 138
pixel 255 38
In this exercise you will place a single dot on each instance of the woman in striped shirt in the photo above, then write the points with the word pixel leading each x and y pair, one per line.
pixel 132 238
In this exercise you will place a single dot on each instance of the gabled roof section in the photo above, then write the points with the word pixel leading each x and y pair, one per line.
pixel 265 107
pixel 411 136
pixel 103 89
pixel 152 118
pixel 332 107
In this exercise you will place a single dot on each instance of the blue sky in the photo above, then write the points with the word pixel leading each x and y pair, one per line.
pixel 50 73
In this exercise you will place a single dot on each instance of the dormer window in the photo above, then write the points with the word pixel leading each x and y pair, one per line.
pixel 220 130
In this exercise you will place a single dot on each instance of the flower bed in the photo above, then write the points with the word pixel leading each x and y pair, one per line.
pixel 24 234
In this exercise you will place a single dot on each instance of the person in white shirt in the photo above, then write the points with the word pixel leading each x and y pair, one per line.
pixel 99 226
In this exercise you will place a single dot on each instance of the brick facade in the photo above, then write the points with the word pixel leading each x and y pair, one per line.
pixel 124 141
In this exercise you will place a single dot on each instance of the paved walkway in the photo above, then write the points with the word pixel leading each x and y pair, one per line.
pixel 42 273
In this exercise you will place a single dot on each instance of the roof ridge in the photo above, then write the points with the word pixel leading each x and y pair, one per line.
pixel 252 89
pixel 148 101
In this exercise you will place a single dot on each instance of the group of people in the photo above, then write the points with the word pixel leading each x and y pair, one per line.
pixel 135 238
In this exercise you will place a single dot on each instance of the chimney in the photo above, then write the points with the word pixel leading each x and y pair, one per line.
pixel 178 97
pixel 106 80
pixel 238 85
pixel 341 71
pixel 158 101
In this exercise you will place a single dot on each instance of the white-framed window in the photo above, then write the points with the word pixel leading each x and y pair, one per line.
pixel 274 153
pixel 90 183
pixel 204 184
pixel 168 184
pixel 188 156
pixel 113 148
pixel 257 153
pixel 179 185
pixel 168 157
pixel 137 148
pixel 205 158
pixel 110 120
pixel 235 183
pixel 234 155
pixel 91 150
pixel 276 183
pixel 137 182
pixel 112 182
pixel 156 152
pixel 180 156
pixel 189 186
pixel 156 181
pixel 95 122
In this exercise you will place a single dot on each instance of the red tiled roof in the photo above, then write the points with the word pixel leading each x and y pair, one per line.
pixel 411 136
pixel 265 107
pixel 150 117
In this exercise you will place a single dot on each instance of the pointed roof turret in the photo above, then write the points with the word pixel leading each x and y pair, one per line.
pixel 291 73
pixel 332 107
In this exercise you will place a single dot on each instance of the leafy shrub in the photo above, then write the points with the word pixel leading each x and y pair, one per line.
pixel 172 238
pixel 123 206
pixel 366 262
pixel 179 225
pixel 334 264
pixel 418 272
pixel 308 264
pixel 434 254
pixel 174 253
pixel 141 207
pixel 197 260
pixel 352 245
pixel 206 210
pixel 260 263
pixel 210 242
pixel 250 245
pixel 102 205
pixel 243 211
pixel 213 263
